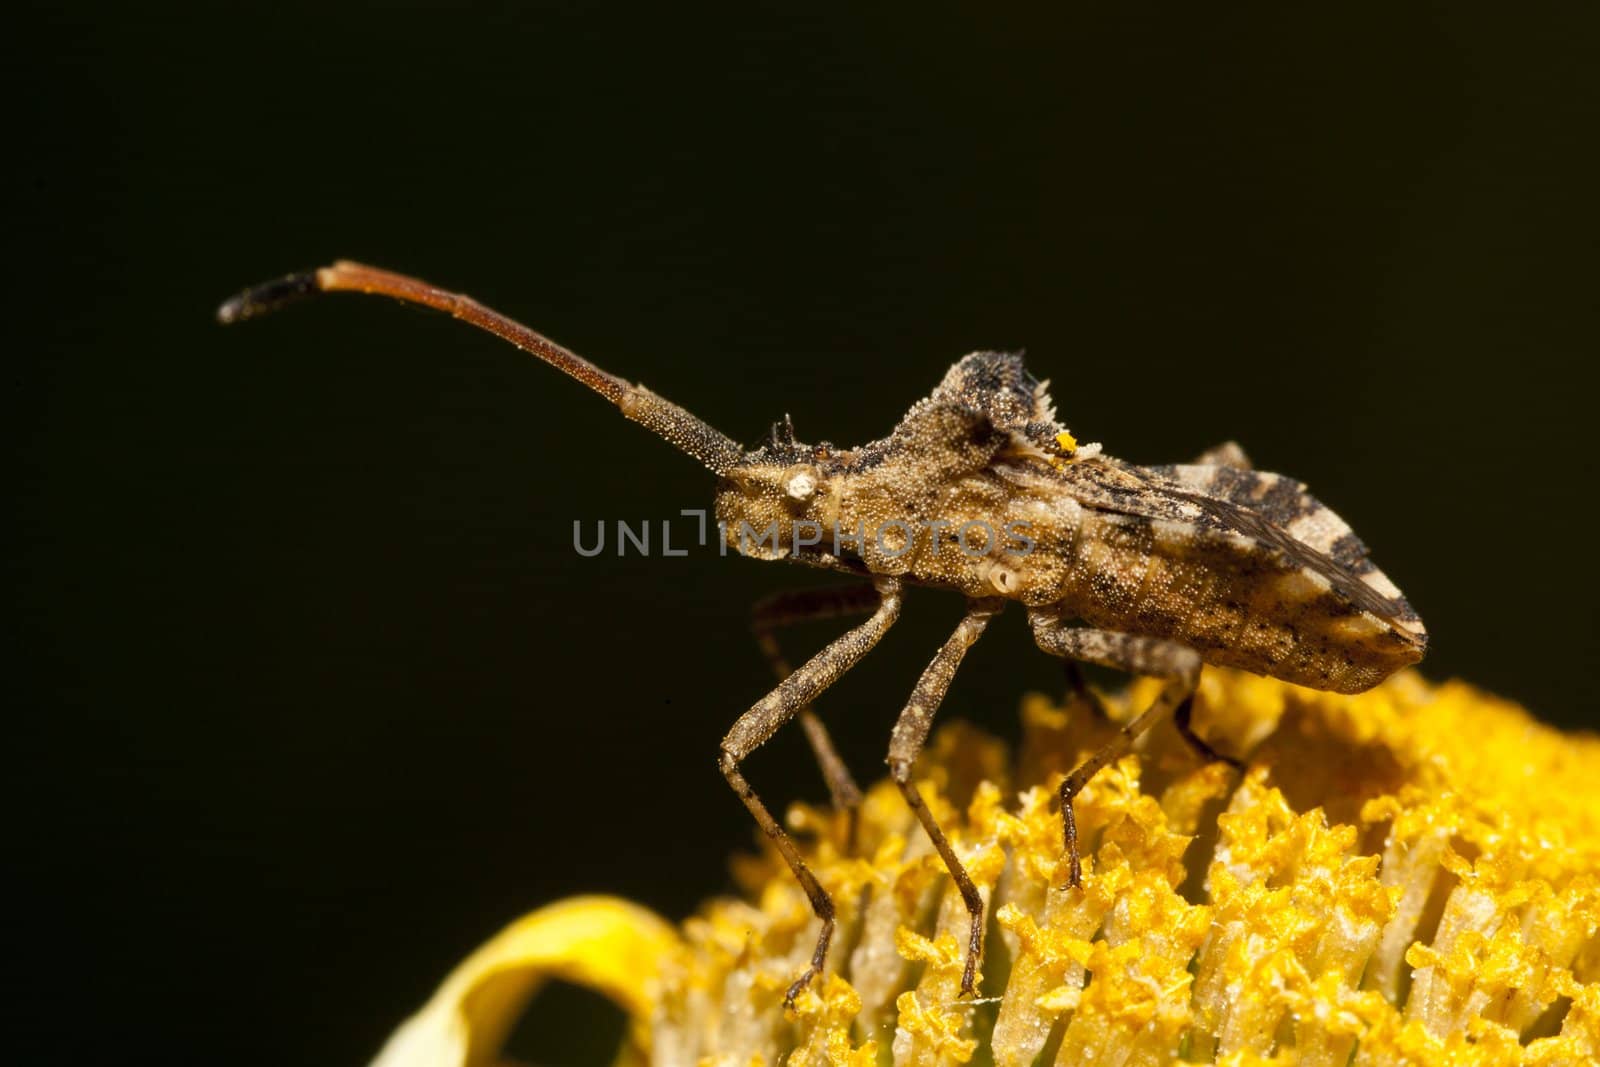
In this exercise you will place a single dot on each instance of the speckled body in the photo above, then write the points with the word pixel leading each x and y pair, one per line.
pixel 1242 566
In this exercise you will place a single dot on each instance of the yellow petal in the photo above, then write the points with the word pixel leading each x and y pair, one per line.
pixel 602 943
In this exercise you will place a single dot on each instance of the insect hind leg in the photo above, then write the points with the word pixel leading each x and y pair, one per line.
pixel 1153 656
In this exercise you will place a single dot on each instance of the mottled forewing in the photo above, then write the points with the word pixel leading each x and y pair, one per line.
pixel 1280 500
pixel 1258 505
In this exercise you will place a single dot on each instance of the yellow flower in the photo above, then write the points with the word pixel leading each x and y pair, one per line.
pixel 1408 876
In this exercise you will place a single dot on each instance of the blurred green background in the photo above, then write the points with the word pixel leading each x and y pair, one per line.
pixel 316 693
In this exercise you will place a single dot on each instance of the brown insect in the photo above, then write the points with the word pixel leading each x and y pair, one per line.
pixel 1149 570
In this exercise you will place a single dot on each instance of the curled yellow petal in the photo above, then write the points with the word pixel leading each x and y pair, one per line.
pixel 608 945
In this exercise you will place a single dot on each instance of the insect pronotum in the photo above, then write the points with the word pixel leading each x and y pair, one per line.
pixel 1150 570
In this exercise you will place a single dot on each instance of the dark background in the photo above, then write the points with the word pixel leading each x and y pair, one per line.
pixel 315 693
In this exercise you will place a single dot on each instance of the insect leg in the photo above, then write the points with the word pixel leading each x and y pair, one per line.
pixel 1178 664
pixel 1180 719
pixel 806 605
pixel 1078 688
pixel 778 707
pixel 911 731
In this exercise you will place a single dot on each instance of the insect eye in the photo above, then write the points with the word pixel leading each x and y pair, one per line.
pixel 800 482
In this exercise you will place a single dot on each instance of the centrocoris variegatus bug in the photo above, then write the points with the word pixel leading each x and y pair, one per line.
pixel 1149 570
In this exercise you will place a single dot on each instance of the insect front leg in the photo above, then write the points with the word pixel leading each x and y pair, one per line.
pixel 911 732
pixel 1158 658
pixel 807 605
pixel 778 707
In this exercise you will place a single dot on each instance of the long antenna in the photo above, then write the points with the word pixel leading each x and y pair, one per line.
pixel 715 450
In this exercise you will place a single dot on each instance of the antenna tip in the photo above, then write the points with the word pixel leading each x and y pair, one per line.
pixel 267 297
